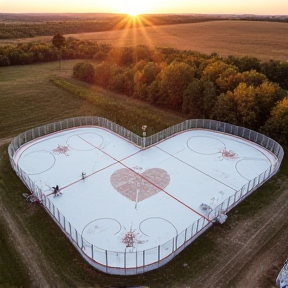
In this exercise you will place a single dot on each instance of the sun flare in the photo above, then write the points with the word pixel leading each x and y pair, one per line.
pixel 133 8
pixel 133 12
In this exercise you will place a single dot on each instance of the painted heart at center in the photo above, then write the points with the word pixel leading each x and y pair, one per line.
pixel 127 182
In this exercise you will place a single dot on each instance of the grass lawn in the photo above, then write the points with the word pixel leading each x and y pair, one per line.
pixel 34 95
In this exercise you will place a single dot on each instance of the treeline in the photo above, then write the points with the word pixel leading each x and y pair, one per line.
pixel 266 18
pixel 28 29
pixel 28 53
pixel 49 28
pixel 33 52
pixel 242 91
pixel 239 91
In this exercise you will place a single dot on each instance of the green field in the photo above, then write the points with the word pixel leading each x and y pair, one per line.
pixel 264 40
pixel 31 96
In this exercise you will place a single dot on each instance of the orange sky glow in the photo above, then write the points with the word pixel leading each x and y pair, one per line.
pixel 258 7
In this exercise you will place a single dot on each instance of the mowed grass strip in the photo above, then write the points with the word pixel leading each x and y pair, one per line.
pixel 128 112
pixel 34 95
pixel 28 99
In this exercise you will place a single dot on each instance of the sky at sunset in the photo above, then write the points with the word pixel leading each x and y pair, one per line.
pixel 259 7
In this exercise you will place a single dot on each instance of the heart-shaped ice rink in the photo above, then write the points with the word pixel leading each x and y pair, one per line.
pixel 134 199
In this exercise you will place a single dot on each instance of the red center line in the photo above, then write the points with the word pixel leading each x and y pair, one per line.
pixel 79 180
pixel 140 175
pixel 117 161
pixel 173 197
pixel 161 189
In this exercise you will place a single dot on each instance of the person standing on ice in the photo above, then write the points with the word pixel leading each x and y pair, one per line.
pixel 56 190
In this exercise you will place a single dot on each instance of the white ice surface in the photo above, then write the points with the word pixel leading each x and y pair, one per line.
pixel 193 159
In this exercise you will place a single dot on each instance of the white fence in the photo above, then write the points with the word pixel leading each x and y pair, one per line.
pixel 136 262
pixel 282 278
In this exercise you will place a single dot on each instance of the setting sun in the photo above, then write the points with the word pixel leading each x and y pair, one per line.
pixel 132 11
pixel 133 8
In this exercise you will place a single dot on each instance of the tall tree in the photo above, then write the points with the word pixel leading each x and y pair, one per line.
pixel 267 94
pixel 215 69
pixel 247 108
pixel 225 108
pixel 193 99
pixel 276 126
pixel 209 98
pixel 199 99
pixel 276 71
pixel 59 41
pixel 175 79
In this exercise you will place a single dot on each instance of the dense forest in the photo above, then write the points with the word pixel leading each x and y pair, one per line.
pixel 241 91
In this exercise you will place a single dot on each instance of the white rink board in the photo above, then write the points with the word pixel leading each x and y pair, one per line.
pixel 195 161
